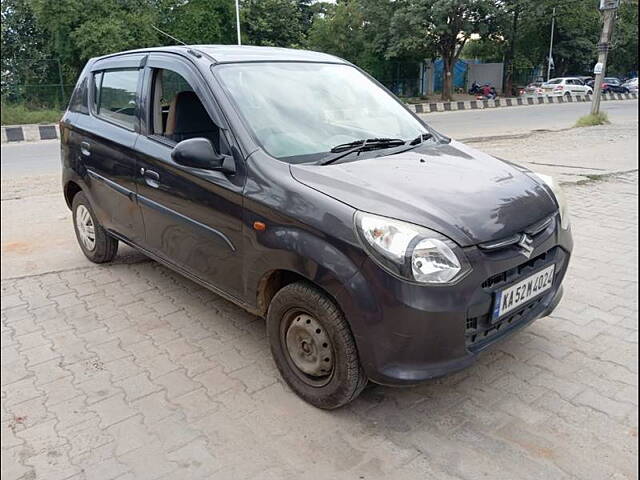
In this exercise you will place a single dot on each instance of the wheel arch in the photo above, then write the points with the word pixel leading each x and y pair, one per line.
pixel 70 190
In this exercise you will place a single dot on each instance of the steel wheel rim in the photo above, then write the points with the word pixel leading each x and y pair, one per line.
pixel 308 348
pixel 85 227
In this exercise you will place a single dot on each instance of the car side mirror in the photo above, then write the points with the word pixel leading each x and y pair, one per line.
pixel 199 153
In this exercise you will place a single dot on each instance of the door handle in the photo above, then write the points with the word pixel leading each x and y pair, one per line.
pixel 85 149
pixel 151 178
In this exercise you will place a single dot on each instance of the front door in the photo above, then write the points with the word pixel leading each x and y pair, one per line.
pixel 192 217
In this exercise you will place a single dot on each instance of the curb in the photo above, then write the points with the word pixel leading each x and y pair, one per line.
pixel 512 102
pixel 29 133
pixel 34 133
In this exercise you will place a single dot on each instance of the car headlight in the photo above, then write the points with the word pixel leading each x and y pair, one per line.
pixel 561 200
pixel 411 252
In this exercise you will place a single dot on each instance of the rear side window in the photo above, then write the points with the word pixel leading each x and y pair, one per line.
pixel 80 99
pixel 117 96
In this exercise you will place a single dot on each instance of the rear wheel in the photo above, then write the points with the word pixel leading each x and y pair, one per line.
pixel 313 347
pixel 96 244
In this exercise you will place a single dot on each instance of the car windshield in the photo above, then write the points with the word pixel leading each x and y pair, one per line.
pixel 553 81
pixel 611 80
pixel 299 111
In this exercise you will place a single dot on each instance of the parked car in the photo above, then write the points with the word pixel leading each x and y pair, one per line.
pixel 565 86
pixel 613 85
pixel 532 89
pixel 631 85
pixel 294 185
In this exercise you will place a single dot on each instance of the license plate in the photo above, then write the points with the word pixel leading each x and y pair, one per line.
pixel 516 295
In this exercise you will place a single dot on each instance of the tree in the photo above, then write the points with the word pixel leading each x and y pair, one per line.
pixel 97 28
pixel 623 57
pixel 358 31
pixel 274 23
pixel 440 27
pixel 198 21
pixel 22 44
pixel 339 30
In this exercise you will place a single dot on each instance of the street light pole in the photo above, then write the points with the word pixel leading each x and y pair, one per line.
pixel 550 59
pixel 609 15
pixel 238 22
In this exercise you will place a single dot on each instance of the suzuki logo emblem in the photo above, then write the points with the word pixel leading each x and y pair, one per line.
pixel 526 245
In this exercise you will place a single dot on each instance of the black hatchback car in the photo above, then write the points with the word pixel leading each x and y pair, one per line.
pixel 294 185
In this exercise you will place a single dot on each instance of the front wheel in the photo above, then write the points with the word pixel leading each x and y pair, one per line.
pixel 313 347
pixel 96 244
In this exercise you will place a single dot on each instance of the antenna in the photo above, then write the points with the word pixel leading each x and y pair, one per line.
pixel 167 35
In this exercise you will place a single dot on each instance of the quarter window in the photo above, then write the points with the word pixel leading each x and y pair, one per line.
pixel 117 97
pixel 79 102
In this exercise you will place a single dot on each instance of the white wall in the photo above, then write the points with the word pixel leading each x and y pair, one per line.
pixel 485 73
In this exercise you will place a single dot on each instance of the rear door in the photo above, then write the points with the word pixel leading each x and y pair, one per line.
pixel 192 217
pixel 109 134
pixel 577 87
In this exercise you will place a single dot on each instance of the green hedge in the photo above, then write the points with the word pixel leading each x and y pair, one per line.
pixel 19 114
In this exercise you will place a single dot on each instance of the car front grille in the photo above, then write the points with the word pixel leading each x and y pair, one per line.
pixel 522 270
pixel 533 231
pixel 483 329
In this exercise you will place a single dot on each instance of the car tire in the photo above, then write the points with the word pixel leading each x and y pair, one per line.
pixel 567 94
pixel 589 92
pixel 96 244
pixel 313 347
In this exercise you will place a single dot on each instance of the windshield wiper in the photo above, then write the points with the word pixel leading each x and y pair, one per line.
pixel 421 139
pixel 369 142
pixel 345 149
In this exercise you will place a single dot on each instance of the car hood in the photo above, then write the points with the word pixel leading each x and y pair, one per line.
pixel 467 195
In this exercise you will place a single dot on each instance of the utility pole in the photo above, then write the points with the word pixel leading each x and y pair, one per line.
pixel 550 59
pixel 609 8
pixel 238 22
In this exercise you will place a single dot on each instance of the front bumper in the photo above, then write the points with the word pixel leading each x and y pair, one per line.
pixel 420 333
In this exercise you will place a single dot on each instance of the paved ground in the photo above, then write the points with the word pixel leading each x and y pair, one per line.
pixel 131 371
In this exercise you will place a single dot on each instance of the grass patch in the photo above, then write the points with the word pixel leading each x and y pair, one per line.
pixel 19 114
pixel 591 120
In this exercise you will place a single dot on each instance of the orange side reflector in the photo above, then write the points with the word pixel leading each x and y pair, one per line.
pixel 261 227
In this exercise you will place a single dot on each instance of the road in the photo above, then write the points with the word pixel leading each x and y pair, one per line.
pixel 43 157
pixel 503 121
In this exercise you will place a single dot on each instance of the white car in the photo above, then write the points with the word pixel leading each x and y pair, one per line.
pixel 631 85
pixel 557 87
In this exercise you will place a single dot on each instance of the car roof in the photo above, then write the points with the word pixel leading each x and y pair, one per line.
pixel 243 53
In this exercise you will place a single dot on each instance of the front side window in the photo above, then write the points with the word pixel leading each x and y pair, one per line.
pixel 299 111
pixel 177 112
pixel 117 97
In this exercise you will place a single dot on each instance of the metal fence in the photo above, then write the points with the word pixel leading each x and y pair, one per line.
pixel 54 96
pixel 36 83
